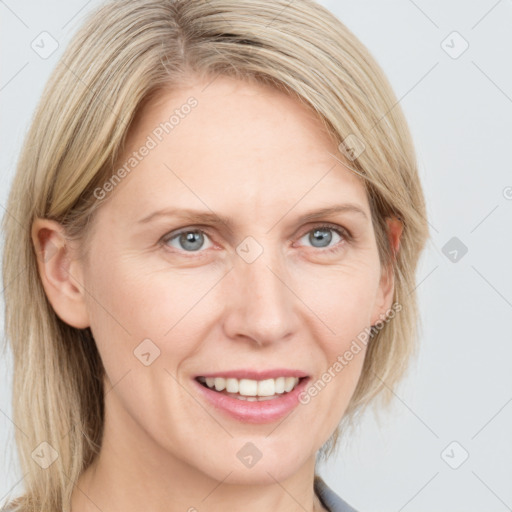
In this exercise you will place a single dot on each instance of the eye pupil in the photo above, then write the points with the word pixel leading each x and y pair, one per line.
pixel 319 236
pixel 191 240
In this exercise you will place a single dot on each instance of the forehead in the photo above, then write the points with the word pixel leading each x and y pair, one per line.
pixel 235 113
pixel 241 145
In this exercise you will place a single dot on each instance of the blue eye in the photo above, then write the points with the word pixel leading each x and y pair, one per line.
pixel 189 241
pixel 322 236
pixel 325 237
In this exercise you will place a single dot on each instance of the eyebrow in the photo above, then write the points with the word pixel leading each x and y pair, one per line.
pixel 199 216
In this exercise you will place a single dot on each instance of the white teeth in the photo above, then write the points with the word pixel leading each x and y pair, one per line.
pixel 266 387
pixel 219 383
pixel 279 385
pixel 250 387
pixel 231 385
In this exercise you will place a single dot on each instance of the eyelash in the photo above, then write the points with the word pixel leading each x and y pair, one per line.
pixel 341 231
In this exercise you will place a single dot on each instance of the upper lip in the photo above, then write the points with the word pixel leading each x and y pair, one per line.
pixel 256 374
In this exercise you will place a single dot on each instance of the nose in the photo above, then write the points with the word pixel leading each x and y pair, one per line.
pixel 260 305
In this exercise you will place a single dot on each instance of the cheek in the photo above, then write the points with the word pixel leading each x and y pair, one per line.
pixel 130 302
pixel 342 303
pixel 341 297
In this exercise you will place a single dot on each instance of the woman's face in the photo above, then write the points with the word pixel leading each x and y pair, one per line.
pixel 268 289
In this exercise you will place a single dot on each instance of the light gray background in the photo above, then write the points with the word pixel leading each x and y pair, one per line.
pixel 459 111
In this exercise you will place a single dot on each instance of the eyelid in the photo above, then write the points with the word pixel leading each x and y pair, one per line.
pixel 329 225
pixel 185 229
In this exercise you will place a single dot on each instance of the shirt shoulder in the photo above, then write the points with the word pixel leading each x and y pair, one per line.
pixel 329 498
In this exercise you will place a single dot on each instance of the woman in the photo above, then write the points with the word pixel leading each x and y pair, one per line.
pixel 220 218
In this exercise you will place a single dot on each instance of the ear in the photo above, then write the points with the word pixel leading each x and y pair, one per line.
pixel 60 272
pixel 387 282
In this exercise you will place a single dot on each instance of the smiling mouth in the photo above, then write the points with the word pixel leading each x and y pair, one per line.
pixel 249 389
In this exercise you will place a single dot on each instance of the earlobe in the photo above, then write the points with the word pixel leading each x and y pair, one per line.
pixel 60 272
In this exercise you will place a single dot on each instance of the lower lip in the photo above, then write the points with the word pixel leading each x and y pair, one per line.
pixel 265 411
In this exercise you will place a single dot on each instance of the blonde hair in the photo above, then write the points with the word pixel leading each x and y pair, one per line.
pixel 125 52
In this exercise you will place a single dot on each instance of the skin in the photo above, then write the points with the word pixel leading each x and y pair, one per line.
pixel 262 160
